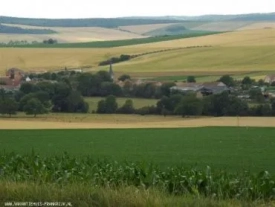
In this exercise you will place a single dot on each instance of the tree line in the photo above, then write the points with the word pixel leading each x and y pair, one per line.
pixel 64 92
pixel 41 98
pixel 223 104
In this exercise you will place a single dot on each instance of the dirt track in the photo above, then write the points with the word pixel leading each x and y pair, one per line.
pixel 169 123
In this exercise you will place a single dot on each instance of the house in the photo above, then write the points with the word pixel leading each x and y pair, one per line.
pixel 186 87
pixel 205 89
pixel 214 88
pixel 269 79
pixel 13 79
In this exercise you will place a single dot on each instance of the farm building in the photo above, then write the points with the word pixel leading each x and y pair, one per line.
pixel 12 80
pixel 269 79
pixel 207 88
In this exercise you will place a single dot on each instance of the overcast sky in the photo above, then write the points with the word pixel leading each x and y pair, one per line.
pixel 118 8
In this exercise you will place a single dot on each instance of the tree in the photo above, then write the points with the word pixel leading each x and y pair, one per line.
pixel 8 106
pixel 256 95
pixel 27 88
pixel 101 107
pixel 111 104
pixel 104 76
pixel 165 88
pixel 169 104
pixel 107 106
pixel 227 80
pixel 127 108
pixel 109 88
pixel 261 110
pixel 189 105
pixel 59 100
pixel 247 81
pixel 124 77
pixel 272 101
pixel 76 103
pixel 261 82
pixel 191 79
pixel 34 107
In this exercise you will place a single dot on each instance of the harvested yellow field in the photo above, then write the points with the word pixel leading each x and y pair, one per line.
pixel 222 26
pixel 30 59
pixel 262 37
pixel 134 121
pixel 141 29
pixel 71 34
pixel 249 50
pixel 259 25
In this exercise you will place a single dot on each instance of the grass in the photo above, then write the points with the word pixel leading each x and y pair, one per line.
pixel 233 149
pixel 214 77
pixel 138 102
pixel 85 195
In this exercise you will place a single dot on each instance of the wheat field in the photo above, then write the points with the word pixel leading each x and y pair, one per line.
pixel 249 50
pixel 96 121
pixel 71 34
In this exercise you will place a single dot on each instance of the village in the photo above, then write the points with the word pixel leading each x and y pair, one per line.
pixel 15 77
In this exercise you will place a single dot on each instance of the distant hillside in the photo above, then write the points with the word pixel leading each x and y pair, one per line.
pixel 18 30
pixel 237 17
pixel 256 17
pixel 115 43
pixel 96 22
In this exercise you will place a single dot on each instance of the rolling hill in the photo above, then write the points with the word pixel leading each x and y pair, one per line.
pixel 104 29
pixel 232 52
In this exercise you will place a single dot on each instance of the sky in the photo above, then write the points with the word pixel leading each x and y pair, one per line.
pixel 120 8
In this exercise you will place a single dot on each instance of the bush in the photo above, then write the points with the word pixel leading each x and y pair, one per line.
pixel 147 110
pixel 127 108
pixel 107 106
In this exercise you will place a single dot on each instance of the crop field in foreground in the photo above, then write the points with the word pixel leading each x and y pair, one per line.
pixel 233 149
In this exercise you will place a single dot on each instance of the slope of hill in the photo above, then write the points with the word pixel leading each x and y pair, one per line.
pixel 114 43
pixel 232 52
pixel 19 30
pixel 95 22
pixel 216 17
pixel 222 26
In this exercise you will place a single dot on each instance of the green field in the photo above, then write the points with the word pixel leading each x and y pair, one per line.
pixel 138 102
pixel 227 148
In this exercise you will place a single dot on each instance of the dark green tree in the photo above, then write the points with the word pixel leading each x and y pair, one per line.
pixel 101 107
pixel 256 95
pixel 165 88
pixel 189 106
pixel 191 79
pixel 109 88
pixel 247 81
pixel 124 77
pixel 111 104
pixel 107 106
pixel 76 103
pixel 34 107
pixel 8 106
pixel 127 108
pixel 27 88
pixel 227 80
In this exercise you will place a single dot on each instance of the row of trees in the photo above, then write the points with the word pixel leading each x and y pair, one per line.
pixel 110 106
pixel 43 97
pixel 222 104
